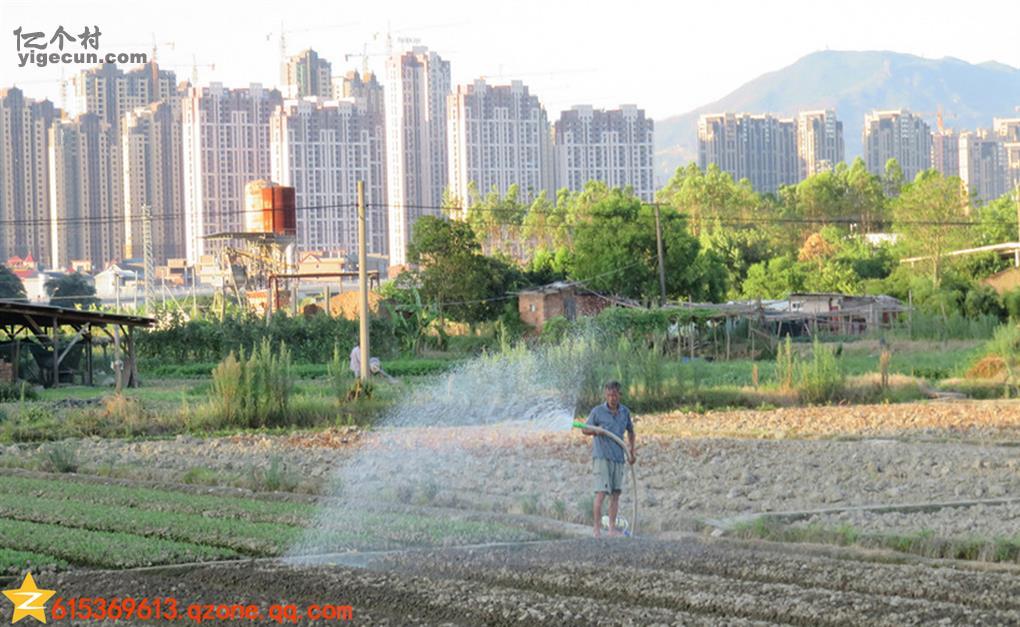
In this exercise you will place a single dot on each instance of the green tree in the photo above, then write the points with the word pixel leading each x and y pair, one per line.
pixel 497 220
pixel 545 226
pixel 71 290
pixel 709 199
pixel 454 277
pixel 927 216
pixel 739 249
pixel 997 221
pixel 10 284
pixel 892 180
pixel 774 278
pixel 615 252
pixel 865 200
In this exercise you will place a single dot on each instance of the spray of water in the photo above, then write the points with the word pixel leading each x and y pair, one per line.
pixel 456 454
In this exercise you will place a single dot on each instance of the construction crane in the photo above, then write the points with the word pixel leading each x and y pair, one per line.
pixel 938 115
pixel 194 65
pixel 282 37
pixel 364 54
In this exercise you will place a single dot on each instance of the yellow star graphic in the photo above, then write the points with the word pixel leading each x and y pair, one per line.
pixel 29 600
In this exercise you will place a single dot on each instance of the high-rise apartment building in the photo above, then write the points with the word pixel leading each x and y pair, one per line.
pixel 322 149
pixel 983 165
pixel 85 198
pixel 307 74
pixel 365 91
pixel 900 135
pixel 112 93
pixel 417 88
pixel 498 136
pixel 225 142
pixel 151 146
pixel 945 152
pixel 24 175
pixel 819 142
pixel 614 147
pixel 1008 130
pixel 760 148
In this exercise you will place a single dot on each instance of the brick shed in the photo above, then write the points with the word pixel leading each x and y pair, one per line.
pixel 539 304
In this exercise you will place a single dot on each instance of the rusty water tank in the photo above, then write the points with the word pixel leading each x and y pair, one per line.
pixel 269 208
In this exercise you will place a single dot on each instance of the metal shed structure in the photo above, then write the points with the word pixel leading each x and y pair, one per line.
pixel 37 329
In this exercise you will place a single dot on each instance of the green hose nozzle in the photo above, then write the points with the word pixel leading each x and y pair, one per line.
pixel 579 425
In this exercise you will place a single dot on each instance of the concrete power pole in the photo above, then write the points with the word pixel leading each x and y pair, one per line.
pixel 149 259
pixel 363 282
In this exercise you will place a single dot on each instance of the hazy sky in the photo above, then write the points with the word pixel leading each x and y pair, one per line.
pixel 668 57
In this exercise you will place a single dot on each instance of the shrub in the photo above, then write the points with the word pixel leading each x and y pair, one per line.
pixel 821 379
pixel 19 391
pixel 58 457
pixel 255 392
pixel 227 389
pixel 275 478
pixel 311 339
pixel 1011 301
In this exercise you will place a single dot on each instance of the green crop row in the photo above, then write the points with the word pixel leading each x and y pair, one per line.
pixel 101 548
pixel 239 535
pixel 13 562
pixel 251 509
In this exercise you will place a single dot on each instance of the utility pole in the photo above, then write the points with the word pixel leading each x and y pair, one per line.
pixel 363 282
pixel 1016 252
pixel 662 265
pixel 149 260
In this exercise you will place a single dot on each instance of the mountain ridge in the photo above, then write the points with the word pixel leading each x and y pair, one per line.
pixel 854 82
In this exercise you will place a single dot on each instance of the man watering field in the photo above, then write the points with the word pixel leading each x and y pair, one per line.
pixel 608 456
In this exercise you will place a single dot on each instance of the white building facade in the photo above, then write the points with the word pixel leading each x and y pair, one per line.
pixel 322 148
pixel 225 143
pixel 417 85
pixel 614 147
pixel 498 136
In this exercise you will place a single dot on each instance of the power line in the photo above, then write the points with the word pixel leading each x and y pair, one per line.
pixel 523 212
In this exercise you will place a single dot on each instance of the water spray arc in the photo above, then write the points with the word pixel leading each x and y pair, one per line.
pixel 633 476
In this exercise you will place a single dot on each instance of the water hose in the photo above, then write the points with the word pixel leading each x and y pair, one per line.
pixel 633 475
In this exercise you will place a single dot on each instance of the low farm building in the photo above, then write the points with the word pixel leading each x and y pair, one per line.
pixel 538 305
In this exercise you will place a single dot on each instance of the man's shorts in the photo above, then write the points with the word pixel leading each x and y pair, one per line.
pixel 608 475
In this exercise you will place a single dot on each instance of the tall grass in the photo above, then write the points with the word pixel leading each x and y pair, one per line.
pixel 785 365
pixel 339 374
pixel 822 379
pixel 253 392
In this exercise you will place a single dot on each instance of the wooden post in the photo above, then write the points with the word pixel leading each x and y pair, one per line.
pixel 88 354
pixel 750 335
pixel 363 282
pixel 118 363
pixel 17 359
pixel 129 352
pixel 56 352
pixel 727 337
pixel 910 313
pixel 327 299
